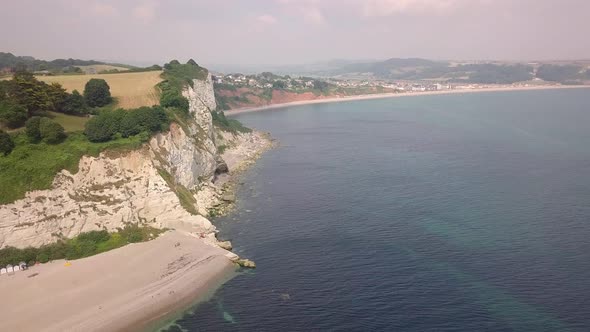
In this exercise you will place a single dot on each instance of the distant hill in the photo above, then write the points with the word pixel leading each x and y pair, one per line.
pixel 9 63
pixel 481 72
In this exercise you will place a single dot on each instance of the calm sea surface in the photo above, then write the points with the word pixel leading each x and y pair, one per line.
pixel 430 213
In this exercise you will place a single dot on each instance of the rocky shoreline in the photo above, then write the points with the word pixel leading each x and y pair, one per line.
pixel 176 181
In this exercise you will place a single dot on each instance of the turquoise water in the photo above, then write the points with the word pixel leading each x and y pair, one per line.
pixel 431 213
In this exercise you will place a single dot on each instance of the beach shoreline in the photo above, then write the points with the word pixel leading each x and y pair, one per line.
pixel 244 110
pixel 132 287
pixel 141 286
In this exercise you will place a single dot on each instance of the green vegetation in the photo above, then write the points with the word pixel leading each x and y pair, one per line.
pixel 221 148
pixel 186 198
pixel 44 129
pixel 231 125
pixel 75 104
pixel 557 73
pixel 33 166
pixel 50 131
pixel 24 97
pixel 30 158
pixel 70 123
pixel 495 74
pixel 421 69
pixel 6 143
pixel 12 115
pixel 84 245
pixel 15 63
pixel 125 123
pixel 97 93
pixel 176 76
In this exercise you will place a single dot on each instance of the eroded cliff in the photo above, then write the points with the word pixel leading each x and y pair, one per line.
pixel 167 183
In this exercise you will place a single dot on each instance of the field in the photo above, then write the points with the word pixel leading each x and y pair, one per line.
pixel 69 122
pixel 131 90
pixel 94 69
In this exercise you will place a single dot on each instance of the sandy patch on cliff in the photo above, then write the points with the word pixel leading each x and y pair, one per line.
pixel 123 289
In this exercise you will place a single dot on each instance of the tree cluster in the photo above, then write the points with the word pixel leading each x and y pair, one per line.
pixel 125 123
pixel 24 96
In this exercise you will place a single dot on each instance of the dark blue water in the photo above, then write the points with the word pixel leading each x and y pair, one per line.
pixel 432 213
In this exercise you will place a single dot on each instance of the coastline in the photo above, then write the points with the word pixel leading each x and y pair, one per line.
pixel 127 288
pixel 140 286
pixel 398 95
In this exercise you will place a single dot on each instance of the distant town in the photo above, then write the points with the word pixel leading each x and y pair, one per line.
pixel 303 83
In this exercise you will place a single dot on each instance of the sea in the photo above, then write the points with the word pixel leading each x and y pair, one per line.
pixel 425 213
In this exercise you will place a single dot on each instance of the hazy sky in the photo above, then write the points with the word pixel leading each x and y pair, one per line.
pixel 295 31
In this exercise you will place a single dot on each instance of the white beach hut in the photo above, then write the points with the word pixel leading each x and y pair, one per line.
pixel 3 271
pixel 16 268
pixel 9 268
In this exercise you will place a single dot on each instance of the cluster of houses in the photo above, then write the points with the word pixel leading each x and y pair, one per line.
pixel 269 80
pixel 264 80
pixel 9 269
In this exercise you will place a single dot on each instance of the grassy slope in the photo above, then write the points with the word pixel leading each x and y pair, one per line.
pixel 70 123
pixel 33 166
pixel 131 90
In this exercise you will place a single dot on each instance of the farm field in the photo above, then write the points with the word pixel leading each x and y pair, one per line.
pixel 131 90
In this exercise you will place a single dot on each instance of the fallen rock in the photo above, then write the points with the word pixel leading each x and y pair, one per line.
pixel 221 166
pixel 246 263
pixel 225 245
pixel 228 197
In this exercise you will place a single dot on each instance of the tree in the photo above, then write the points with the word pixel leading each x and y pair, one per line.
pixel 279 85
pixel 320 85
pixel 97 93
pixel 51 131
pixel 30 93
pixel 32 129
pixel 192 62
pixel 6 143
pixel 75 104
pixel 57 95
pixel 12 115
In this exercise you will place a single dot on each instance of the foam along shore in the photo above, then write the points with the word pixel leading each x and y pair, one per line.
pixel 401 94
pixel 129 288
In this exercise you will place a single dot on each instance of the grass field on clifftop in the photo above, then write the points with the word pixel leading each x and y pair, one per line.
pixel 131 90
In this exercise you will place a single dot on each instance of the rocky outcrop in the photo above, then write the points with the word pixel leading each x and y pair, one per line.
pixel 166 183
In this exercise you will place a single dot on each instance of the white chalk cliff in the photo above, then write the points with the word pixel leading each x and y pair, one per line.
pixel 141 186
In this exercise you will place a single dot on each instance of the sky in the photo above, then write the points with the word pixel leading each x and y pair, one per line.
pixel 277 32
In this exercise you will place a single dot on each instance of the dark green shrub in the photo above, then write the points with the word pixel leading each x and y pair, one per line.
pixel 32 129
pixel 94 236
pixel 97 93
pixel 51 132
pixel 173 98
pixel 12 115
pixel 6 143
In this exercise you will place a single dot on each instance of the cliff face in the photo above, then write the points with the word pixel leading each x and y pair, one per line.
pixel 150 185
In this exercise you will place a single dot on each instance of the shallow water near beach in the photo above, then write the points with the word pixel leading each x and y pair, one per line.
pixel 428 213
